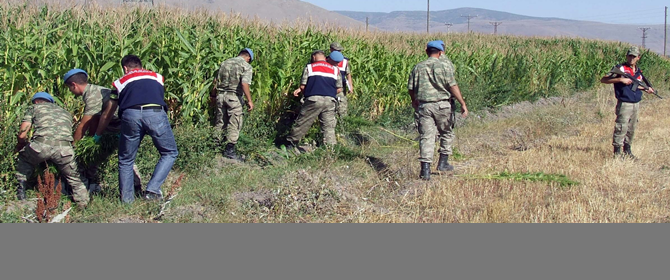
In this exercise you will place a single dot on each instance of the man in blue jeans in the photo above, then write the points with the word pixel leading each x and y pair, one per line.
pixel 139 96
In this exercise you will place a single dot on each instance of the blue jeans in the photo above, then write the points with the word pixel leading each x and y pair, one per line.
pixel 134 125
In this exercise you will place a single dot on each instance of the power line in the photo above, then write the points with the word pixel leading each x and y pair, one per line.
pixel 644 36
pixel 495 26
pixel 469 17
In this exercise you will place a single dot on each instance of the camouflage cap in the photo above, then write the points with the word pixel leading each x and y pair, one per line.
pixel 633 51
pixel 336 46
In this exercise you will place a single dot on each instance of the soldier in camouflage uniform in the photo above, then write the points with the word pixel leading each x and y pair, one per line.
pixel 231 84
pixel 96 100
pixel 432 86
pixel 51 141
pixel 628 102
pixel 345 71
pixel 320 84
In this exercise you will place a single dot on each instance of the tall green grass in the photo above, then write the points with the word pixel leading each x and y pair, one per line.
pixel 38 44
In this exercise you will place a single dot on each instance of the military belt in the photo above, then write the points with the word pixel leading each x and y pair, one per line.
pixel 228 93
pixel 428 102
pixel 54 143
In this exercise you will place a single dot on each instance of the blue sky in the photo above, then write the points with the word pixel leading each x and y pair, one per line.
pixel 610 11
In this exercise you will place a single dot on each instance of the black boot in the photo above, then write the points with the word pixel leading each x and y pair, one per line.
pixel 21 191
pixel 443 164
pixel 230 152
pixel 617 152
pixel 628 153
pixel 425 171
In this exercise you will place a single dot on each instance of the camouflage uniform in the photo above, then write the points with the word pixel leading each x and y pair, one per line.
pixel 430 80
pixel 51 141
pixel 230 98
pixel 95 102
pixel 315 106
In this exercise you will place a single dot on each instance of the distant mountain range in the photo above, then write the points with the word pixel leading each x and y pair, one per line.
pixel 279 11
pixel 511 24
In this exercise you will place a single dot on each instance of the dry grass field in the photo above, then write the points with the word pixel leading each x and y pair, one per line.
pixel 561 136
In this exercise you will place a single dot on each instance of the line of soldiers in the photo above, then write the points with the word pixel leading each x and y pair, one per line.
pixel 432 87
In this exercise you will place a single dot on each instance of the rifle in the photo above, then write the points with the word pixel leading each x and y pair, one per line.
pixel 645 84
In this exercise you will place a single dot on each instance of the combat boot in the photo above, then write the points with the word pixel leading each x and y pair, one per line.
pixel 425 171
pixel 617 152
pixel 21 191
pixel 230 152
pixel 628 153
pixel 443 164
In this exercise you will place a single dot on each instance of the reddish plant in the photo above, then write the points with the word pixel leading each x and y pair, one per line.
pixel 48 195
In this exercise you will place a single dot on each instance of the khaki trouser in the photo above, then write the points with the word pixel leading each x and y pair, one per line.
pixel 316 106
pixel 342 105
pixel 229 112
pixel 63 157
pixel 626 122
pixel 433 118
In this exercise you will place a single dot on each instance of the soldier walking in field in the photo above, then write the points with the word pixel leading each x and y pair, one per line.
pixel 96 100
pixel 320 84
pixel 432 86
pixel 628 101
pixel 140 97
pixel 51 141
pixel 345 71
pixel 231 85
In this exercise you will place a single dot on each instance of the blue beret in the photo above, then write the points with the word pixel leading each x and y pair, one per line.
pixel 72 73
pixel 336 56
pixel 42 95
pixel 435 44
pixel 250 52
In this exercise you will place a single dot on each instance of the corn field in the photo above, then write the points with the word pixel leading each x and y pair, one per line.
pixel 38 44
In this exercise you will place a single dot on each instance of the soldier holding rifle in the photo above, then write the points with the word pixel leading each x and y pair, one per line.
pixel 626 78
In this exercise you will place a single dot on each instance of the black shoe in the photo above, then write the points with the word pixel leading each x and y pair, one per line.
pixel 230 153
pixel 20 194
pixel 425 171
pixel 153 196
pixel 617 152
pixel 21 191
pixel 628 153
pixel 443 164
pixel 290 147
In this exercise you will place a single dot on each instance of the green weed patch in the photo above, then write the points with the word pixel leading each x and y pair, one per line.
pixel 561 180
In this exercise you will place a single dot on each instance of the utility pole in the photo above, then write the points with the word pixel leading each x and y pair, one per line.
pixel 665 37
pixel 428 18
pixel 644 36
pixel 367 23
pixel 449 25
pixel 495 26
pixel 469 17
